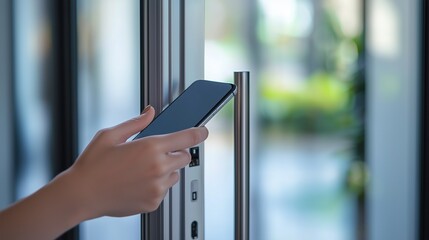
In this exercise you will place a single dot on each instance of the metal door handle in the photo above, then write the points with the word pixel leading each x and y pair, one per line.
pixel 241 155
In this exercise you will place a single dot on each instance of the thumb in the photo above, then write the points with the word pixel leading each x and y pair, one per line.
pixel 125 130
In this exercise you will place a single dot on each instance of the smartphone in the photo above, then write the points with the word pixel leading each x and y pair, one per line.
pixel 193 108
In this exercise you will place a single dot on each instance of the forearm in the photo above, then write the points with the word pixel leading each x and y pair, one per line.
pixel 45 214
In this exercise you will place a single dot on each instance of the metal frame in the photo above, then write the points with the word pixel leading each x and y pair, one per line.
pixel 151 90
pixel 424 137
pixel 151 53
pixel 180 59
pixel 172 54
pixel 65 119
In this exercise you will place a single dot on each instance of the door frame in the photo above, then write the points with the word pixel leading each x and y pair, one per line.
pixel 172 57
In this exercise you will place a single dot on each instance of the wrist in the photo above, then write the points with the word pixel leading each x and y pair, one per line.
pixel 71 193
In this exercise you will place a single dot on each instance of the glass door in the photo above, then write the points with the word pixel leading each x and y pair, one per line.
pixel 334 112
pixel 306 161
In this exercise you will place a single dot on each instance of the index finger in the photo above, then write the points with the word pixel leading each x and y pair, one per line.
pixel 183 139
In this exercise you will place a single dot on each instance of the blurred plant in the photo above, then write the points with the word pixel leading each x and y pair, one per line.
pixel 319 106
pixel 331 99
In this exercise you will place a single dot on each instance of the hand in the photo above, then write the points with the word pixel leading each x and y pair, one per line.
pixel 119 178
pixel 112 177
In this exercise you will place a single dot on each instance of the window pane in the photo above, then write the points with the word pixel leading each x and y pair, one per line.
pixel 306 114
pixel 394 96
pixel 33 94
pixel 109 65
pixel 6 118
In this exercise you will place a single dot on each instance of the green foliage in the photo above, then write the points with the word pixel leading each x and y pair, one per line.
pixel 320 105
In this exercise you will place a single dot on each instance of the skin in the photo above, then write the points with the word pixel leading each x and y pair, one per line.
pixel 111 177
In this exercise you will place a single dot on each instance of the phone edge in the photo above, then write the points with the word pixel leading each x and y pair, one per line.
pixel 218 108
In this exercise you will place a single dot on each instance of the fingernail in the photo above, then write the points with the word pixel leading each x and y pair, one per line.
pixel 146 109
pixel 205 129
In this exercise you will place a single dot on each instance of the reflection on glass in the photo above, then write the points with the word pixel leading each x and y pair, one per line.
pixel 108 43
pixel 306 164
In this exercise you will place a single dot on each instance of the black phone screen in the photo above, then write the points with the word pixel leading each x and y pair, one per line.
pixel 190 109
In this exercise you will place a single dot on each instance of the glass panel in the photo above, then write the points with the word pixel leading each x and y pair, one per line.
pixel 6 118
pixel 33 94
pixel 394 83
pixel 306 114
pixel 109 76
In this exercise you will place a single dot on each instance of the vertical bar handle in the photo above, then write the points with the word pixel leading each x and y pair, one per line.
pixel 241 158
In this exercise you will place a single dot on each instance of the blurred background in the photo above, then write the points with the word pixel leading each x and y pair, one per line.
pixel 307 164
pixel 335 109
